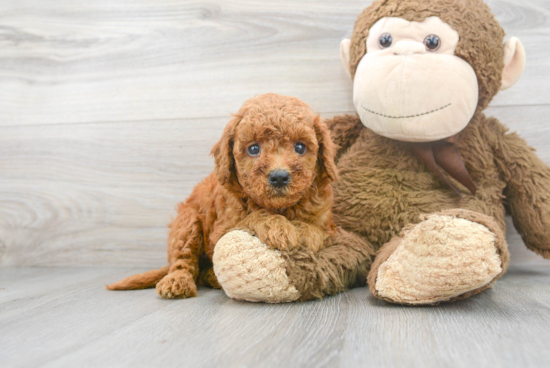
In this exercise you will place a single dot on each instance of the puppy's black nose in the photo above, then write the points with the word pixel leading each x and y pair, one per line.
pixel 279 178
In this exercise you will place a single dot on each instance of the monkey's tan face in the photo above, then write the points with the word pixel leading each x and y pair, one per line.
pixel 410 86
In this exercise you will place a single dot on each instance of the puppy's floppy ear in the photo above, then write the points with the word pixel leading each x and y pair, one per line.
pixel 327 151
pixel 225 169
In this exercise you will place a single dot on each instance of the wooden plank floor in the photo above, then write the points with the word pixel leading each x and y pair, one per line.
pixel 63 317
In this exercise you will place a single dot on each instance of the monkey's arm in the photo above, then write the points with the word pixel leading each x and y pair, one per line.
pixel 342 264
pixel 344 131
pixel 528 188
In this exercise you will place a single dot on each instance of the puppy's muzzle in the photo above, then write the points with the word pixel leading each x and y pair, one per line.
pixel 279 178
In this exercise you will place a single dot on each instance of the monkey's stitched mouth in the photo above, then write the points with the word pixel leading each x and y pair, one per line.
pixel 408 116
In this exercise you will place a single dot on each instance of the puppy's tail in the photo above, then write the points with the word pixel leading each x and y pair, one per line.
pixel 140 281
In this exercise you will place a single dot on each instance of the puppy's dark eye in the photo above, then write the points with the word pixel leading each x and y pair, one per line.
pixel 386 40
pixel 254 150
pixel 432 43
pixel 300 148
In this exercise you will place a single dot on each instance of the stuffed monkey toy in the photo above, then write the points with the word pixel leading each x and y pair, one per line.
pixel 424 176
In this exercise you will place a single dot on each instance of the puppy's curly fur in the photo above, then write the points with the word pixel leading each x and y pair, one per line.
pixel 239 194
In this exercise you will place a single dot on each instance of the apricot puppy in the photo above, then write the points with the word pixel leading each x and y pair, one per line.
pixel 274 166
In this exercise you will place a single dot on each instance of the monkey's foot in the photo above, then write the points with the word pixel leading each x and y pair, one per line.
pixel 248 269
pixel 450 255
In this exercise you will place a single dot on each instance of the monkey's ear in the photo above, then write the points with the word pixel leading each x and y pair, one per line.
pixel 225 169
pixel 344 55
pixel 514 62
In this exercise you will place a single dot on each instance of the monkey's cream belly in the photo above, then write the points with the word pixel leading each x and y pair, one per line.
pixel 415 98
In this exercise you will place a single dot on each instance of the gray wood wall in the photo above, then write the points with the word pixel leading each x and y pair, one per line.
pixel 109 108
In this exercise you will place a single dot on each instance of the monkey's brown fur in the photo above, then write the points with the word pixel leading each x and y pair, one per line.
pixel 296 220
pixel 384 188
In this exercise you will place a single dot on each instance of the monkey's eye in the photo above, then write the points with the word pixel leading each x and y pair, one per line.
pixel 300 148
pixel 432 43
pixel 385 40
pixel 254 150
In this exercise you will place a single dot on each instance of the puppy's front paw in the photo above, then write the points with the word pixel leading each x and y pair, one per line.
pixel 278 233
pixel 278 239
pixel 275 231
pixel 178 284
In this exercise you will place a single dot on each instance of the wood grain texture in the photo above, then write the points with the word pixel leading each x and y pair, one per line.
pixel 108 109
pixel 98 194
pixel 80 61
pixel 64 318
pixel 103 193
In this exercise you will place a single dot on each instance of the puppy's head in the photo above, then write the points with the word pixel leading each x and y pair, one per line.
pixel 275 150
